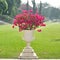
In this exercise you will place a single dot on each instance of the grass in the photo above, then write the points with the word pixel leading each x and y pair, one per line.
pixel 11 43
pixel 46 43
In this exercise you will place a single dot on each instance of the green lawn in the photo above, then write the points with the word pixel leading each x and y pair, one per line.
pixel 46 43
pixel 11 43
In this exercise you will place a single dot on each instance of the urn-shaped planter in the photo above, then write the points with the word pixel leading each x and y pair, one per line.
pixel 28 36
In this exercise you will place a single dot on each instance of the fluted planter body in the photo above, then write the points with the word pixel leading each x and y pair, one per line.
pixel 28 35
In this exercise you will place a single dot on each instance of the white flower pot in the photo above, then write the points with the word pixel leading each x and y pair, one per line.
pixel 28 35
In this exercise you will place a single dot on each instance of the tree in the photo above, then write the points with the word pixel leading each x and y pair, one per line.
pixel 3 6
pixel 49 11
pixel 12 7
pixel 40 7
pixel 34 6
pixel 27 6
pixel 55 13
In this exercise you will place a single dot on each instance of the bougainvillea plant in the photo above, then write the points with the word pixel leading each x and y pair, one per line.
pixel 28 21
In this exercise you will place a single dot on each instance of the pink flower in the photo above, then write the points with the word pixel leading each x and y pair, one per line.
pixel 39 30
pixel 42 24
pixel 31 11
pixel 12 26
pixel 28 20
pixel 15 22
pixel 25 11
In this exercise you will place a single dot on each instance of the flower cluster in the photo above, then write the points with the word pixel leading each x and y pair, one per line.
pixel 28 21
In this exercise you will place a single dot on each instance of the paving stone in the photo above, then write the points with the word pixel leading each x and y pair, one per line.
pixel 28 54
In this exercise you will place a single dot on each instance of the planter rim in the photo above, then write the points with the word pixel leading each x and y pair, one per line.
pixel 28 30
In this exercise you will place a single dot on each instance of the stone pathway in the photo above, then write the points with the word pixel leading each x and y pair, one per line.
pixel 28 54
